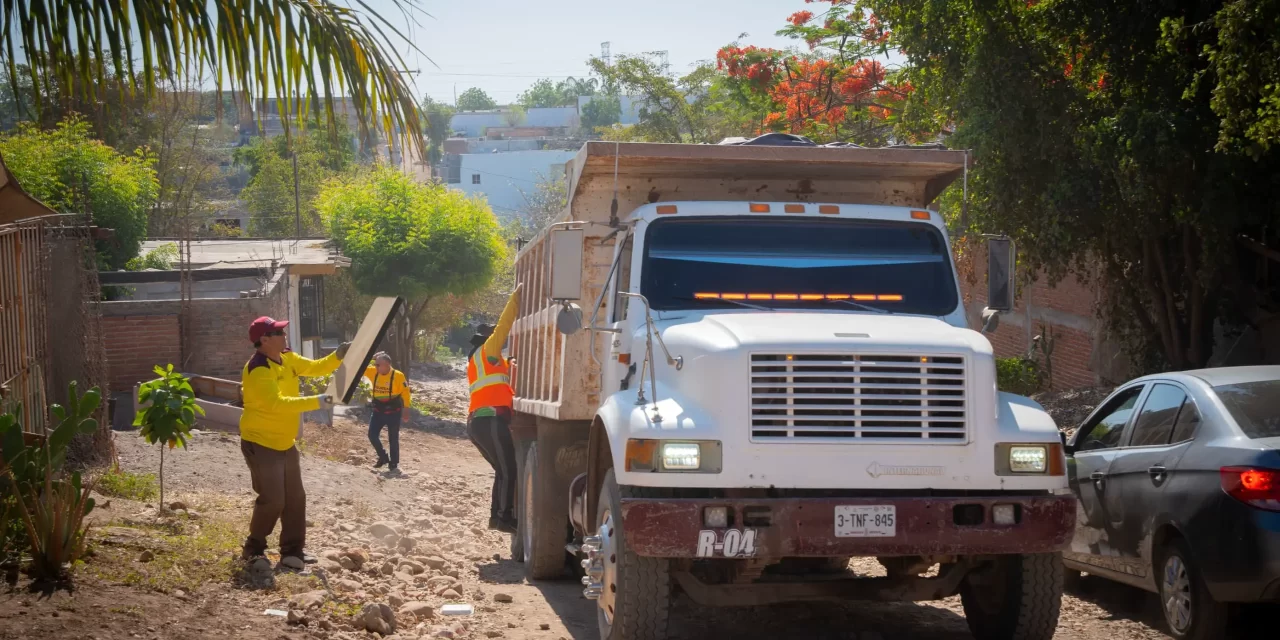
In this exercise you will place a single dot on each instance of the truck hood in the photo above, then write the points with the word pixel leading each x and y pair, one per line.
pixel 727 331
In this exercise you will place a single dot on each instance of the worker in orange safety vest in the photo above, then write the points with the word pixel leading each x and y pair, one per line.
pixel 489 414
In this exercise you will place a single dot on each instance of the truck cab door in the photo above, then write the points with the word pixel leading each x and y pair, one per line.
pixel 619 369
pixel 1095 447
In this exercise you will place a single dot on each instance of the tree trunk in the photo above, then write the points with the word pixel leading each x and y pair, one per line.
pixel 162 505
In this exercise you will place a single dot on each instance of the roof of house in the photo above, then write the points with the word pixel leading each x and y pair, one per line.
pixel 239 252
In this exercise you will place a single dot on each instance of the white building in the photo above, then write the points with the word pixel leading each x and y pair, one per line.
pixel 472 124
pixel 505 178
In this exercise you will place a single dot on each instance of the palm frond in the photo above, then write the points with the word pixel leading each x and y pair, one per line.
pixel 307 54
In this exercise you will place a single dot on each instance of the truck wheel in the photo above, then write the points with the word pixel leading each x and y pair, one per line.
pixel 542 528
pixel 632 593
pixel 517 538
pixel 1189 611
pixel 1018 597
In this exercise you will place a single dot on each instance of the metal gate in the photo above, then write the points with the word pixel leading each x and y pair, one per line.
pixel 23 321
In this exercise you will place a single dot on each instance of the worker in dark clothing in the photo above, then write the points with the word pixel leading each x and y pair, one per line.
pixel 489 414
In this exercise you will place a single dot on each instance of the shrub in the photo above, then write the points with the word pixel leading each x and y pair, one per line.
pixel 1018 375
pixel 42 510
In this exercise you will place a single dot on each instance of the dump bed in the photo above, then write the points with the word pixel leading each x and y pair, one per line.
pixel 555 376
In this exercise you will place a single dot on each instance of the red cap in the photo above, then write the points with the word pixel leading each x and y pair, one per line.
pixel 263 325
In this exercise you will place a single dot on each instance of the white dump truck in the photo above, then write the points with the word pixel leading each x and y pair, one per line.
pixel 739 366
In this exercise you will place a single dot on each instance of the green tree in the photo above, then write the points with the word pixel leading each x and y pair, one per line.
pixel 269 195
pixel 1245 63
pixel 170 412
pixel 421 241
pixel 548 93
pixel 475 99
pixel 674 109
pixel 515 115
pixel 604 110
pixel 301 52
pixel 542 93
pixel 69 171
pixel 1094 146
pixel 438 116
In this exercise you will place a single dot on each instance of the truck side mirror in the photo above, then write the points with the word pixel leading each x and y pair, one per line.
pixel 566 264
pixel 1000 269
pixel 1000 287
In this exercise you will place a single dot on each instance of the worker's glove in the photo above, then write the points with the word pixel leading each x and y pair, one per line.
pixel 326 402
pixel 342 350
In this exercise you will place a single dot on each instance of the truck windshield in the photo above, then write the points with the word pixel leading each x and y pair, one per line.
pixel 797 263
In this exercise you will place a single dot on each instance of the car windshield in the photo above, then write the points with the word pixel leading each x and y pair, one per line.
pixel 1255 406
pixel 789 263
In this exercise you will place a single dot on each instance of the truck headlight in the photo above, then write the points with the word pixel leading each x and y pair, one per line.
pixel 688 456
pixel 1028 459
pixel 681 456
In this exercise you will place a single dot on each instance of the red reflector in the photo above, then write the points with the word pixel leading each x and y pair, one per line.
pixel 829 209
pixel 666 209
pixel 758 208
pixel 1258 488
pixel 793 208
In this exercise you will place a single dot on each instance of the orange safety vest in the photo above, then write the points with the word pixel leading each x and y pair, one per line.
pixel 490 383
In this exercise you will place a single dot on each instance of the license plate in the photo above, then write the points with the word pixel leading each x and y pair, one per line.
pixel 876 521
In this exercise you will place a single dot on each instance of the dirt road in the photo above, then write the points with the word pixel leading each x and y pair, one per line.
pixel 440 553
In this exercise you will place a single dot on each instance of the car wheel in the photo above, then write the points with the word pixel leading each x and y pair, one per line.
pixel 1189 611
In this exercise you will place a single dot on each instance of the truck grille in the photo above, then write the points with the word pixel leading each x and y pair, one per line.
pixel 857 398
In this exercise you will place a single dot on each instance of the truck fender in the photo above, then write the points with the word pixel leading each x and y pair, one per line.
pixel 1020 418
pixel 599 462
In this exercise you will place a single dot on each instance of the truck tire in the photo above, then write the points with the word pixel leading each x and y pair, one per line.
pixel 1017 598
pixel 1190 612
pixel 635 597
pixel 517 539
pixel 542 527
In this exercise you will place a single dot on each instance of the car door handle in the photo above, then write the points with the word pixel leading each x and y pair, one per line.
pixel 1156 471
pixel 1097 476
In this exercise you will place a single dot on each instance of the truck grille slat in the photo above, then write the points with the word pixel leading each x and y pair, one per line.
pixel 858 398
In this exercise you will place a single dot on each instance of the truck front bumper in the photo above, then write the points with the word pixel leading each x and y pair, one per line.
pixel 805 527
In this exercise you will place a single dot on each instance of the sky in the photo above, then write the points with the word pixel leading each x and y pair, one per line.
pixel 503 46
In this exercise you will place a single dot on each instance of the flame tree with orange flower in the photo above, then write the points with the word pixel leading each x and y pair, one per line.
pixel 838 87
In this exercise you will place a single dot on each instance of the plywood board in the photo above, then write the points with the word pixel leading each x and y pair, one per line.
pixel 347 378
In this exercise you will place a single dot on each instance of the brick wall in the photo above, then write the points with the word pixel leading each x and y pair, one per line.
pixel 1066 312
pixel 137 343
pixel 142 333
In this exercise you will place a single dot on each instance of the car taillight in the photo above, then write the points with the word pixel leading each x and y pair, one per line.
pixel 1255 487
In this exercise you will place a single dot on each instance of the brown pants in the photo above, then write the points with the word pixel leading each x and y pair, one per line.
pixel 277 479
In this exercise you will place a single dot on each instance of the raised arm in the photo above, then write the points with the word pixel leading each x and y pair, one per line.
pixel 493 345
pixel 314 368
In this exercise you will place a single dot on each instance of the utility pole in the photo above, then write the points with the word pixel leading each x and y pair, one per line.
pixel 605 55
pixel 297 205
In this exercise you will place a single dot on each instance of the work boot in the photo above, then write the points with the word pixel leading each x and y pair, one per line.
pixel 382 462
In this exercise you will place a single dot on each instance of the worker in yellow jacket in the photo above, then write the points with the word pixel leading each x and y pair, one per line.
pixel 390 405
pixel 273 408
pixel 489 413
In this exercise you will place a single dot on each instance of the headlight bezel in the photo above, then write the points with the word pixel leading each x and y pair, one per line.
pixel 1054 459
pixel 648 455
